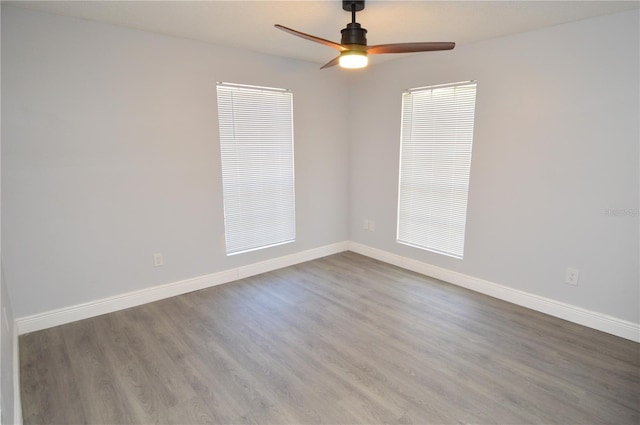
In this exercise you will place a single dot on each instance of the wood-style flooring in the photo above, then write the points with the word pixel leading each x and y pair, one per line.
pixel 339 340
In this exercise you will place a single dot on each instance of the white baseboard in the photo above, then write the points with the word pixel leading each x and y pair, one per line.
pixel 595 320
pixel 135 298
pixel 17 401
pixel 591 319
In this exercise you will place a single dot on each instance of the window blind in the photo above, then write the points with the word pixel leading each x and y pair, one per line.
pixel 256 148
pixel 435 162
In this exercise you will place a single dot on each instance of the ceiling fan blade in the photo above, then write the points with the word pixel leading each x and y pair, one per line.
pixel 312 38
pixel 332 62
pixel 410 47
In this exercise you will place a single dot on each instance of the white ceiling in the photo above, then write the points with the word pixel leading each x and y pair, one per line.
pixel 249 24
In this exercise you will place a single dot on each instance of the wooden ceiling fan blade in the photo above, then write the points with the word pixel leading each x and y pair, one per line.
pixel 312 38
pixel 332 62
pixel 410 47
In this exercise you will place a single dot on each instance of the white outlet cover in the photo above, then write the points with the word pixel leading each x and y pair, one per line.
pixel 571 276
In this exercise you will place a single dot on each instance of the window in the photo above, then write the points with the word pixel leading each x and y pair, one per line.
pixel 256 149
pixel 435 160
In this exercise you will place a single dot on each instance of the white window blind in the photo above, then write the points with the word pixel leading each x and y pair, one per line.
pixel 435 161
pixel 256 147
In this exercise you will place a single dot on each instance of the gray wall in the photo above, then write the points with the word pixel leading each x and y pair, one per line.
pixel 111 154
pixel 7 341
pixel 7 366
pixel 555 147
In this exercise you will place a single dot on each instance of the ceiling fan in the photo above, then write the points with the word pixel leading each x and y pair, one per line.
pixel 353 46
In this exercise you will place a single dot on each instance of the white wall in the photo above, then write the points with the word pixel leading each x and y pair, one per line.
pixel 110 154
pixel 556 145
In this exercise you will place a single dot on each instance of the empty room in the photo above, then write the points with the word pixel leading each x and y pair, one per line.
pixel 320 212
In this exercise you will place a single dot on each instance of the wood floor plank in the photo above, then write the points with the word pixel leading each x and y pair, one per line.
pixel 390 356
pixel 42 357
pixel 339 340
pixel 313 380
pixel 101 397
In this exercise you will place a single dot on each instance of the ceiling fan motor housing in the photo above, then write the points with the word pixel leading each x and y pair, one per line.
pixel 354 34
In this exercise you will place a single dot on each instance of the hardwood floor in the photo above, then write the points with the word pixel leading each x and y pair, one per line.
pixel 343 339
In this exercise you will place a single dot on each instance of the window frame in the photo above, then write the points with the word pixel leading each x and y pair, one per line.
pixel 252 143
pixel 427 228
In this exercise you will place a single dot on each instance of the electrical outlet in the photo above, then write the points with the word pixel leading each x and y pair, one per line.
pixel 571 276
pixel 158 260
pixel 372 225
pixel 365 224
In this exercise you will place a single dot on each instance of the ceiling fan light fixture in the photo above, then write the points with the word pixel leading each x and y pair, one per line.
pixel 353 59
pixel 353 47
